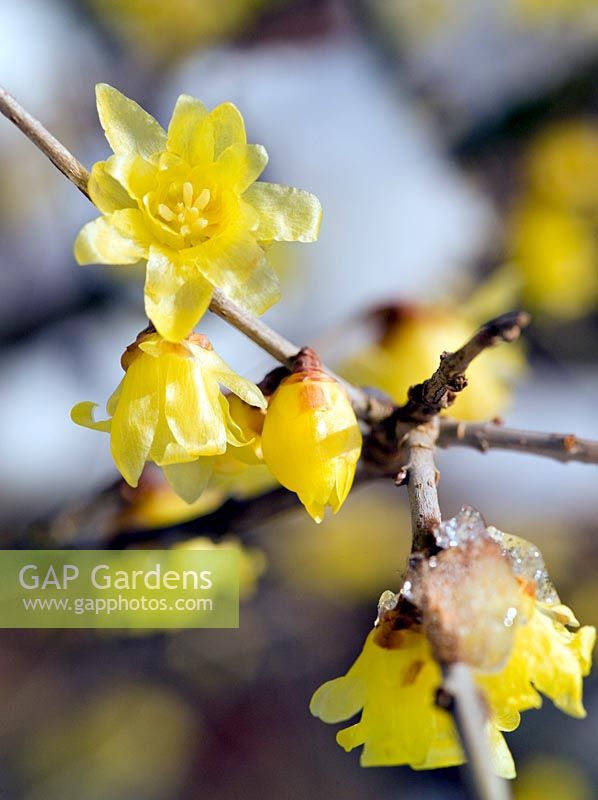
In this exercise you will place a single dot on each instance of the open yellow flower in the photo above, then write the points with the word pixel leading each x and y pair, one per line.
pixel 188 203
pixel 311 440
pixel 169 409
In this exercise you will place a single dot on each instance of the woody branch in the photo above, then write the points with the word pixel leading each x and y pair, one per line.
pixel 425 399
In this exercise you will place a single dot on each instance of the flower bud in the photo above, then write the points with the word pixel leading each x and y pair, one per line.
pixel 311 440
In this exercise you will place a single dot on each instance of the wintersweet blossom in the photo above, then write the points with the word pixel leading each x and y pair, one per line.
pixel 169 409
pixel 188 203
pixel 393 683
pixel 311 440
pixel 395 679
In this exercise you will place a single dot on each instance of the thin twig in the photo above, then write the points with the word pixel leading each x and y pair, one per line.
pixel 484 436
pixel 44 141
pixel 269 340
pixel 429 398
pixel 470 719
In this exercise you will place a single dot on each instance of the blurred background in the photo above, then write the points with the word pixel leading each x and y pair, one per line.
pixel 454 147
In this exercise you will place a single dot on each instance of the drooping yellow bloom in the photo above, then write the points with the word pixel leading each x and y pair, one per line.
pixel 169 409
pixel 311 440
pixel 408 353
pixel 188 203
pixel 393 683
pixel 395 679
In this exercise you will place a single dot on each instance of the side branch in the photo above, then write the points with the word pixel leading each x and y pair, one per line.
pixel 438 392
pixel 260 333
pixel 491 436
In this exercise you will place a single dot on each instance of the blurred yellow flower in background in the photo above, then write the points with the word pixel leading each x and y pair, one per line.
pixel 169 409
pixel 557 255
pixel 252 561
pixel 538 778
pixel 188 202
pixel 409 351
pixel 320 561
pixel 173 27
pixel 552 230
pixel 311 440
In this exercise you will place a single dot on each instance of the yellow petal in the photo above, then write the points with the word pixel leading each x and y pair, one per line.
pixel 242 164
pixel 192 409
pixel 112 401
pixel 220 370
pixel 189 480
pixel 106 192
pixel 165 450
pixel 82 414
pixel 234 262
pixel 229 127
pixel 136 417
pixel 234 435
pixel 129 129
pixel 339 699
pixel 133 172
pixel 190 134
pixel 175 297
pixel 286 214
pixel 500 755
pixel 119 238
pixel 259 292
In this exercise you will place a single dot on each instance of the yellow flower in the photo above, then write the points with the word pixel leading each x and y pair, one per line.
pixel 556 254
pixel 562 165
pixel 169 409
pixel 188 203
pixel 174 27
pixel 394 683
pixel 395 679
pixel 408 353
pixel 311 440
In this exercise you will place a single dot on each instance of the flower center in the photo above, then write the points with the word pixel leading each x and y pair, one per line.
pixel 184 211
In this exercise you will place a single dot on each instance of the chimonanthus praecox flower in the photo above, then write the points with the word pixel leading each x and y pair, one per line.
pixel 455 603
pixel 311 440
pixel 169 409
pixel 188 203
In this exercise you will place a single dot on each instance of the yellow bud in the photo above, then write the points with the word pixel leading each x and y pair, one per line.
pixel 311 440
